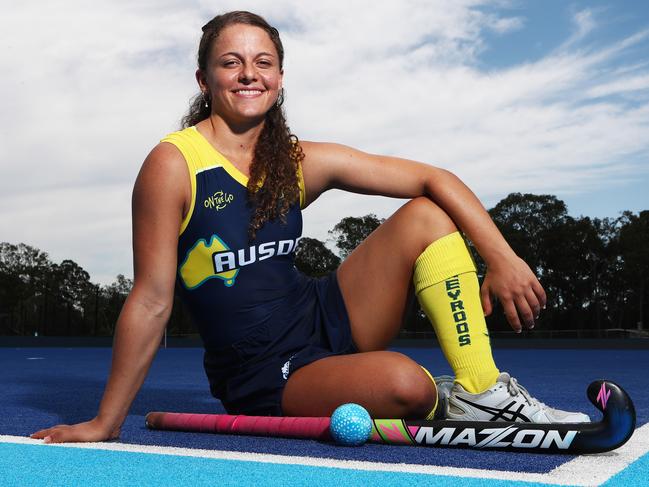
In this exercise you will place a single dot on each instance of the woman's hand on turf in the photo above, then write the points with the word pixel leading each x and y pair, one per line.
pixel 515 286
pixel 89 431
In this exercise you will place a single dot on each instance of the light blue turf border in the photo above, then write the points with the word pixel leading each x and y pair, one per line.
pixel 635 474
pixel 26 465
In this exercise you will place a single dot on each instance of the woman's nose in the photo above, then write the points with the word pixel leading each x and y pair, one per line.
pixel 248 73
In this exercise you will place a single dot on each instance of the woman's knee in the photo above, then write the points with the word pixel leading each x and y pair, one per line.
pixel 428 219
pixel 411 388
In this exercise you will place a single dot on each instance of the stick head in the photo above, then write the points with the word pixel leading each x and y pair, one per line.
pixel 617 407
pixel 608 397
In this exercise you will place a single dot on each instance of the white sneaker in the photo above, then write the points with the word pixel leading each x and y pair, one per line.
pixel 506 400
pixel 444 385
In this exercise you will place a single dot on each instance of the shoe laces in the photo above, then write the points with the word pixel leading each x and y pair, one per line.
pixel 514 389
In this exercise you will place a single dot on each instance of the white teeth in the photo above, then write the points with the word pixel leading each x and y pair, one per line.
pixel 249 92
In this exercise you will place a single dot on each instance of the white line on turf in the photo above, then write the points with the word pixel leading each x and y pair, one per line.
pixel 598 468
pixel 584 470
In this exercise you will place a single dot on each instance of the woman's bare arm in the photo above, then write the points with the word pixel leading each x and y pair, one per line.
pixel 508 279
pixel 160 198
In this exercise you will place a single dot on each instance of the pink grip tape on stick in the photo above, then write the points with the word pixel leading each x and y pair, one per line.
pixel 288 427
pixel 612 431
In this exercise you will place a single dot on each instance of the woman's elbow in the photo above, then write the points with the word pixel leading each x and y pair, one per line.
pixel 440 180
pixel 157 305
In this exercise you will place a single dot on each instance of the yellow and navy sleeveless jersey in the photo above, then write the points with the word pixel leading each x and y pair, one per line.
pixel 232 286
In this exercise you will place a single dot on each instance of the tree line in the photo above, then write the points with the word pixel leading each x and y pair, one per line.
pixel 595 272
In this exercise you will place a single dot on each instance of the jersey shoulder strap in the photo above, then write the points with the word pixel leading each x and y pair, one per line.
pixel 200 156
pixel 197 157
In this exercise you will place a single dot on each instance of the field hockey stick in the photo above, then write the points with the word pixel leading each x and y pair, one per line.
pixel 611 432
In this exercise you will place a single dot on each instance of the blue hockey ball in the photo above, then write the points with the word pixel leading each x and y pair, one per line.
pixel 350 425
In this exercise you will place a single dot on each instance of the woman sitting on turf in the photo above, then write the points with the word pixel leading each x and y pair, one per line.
pixel 216 208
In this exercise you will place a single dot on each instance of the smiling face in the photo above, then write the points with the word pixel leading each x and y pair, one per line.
pixel 243 75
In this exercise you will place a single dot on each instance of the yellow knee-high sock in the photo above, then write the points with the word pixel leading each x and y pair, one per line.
pixel 447 288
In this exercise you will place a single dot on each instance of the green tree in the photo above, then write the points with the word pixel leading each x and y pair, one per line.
pixel 27 263
pixel 314 259
pixel 23 277
pixel 69 285
pixel 114 296
pixel 72 281
pixel 351 231
pixel 120 286
pixel 572 257
pixel 525 221
pixel 634 236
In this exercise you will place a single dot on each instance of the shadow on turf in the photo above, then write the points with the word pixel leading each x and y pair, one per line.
pixel 76 399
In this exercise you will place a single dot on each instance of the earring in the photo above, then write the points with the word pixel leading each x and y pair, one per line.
pixel 206 100
pixel 280 98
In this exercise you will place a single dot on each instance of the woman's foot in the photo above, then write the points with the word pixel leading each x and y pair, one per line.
pixel 506 400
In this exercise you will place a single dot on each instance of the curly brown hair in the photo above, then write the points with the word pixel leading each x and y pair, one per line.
pixel 273 184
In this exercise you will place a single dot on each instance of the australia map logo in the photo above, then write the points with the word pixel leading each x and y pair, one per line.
pixel 216 260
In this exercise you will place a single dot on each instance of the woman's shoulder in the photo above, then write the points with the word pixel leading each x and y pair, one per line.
pixel 164 165
pixel 164 154
pixel 164 179
pixel 172 151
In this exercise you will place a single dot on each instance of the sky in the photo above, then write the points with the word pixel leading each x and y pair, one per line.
pixel 544 97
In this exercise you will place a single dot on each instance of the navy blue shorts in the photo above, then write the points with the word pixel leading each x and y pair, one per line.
pixel 249 376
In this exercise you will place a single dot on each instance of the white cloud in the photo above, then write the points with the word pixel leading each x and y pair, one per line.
pixel 585 23
pixel 89 88
pixel 621 86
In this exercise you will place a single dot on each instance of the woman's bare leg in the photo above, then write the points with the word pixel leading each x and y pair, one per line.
pixel 387 384
pixel 376 283
pixel 376 278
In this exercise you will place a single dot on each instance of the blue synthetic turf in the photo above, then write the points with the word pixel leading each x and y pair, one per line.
pixel 65 467
pixel 44 386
